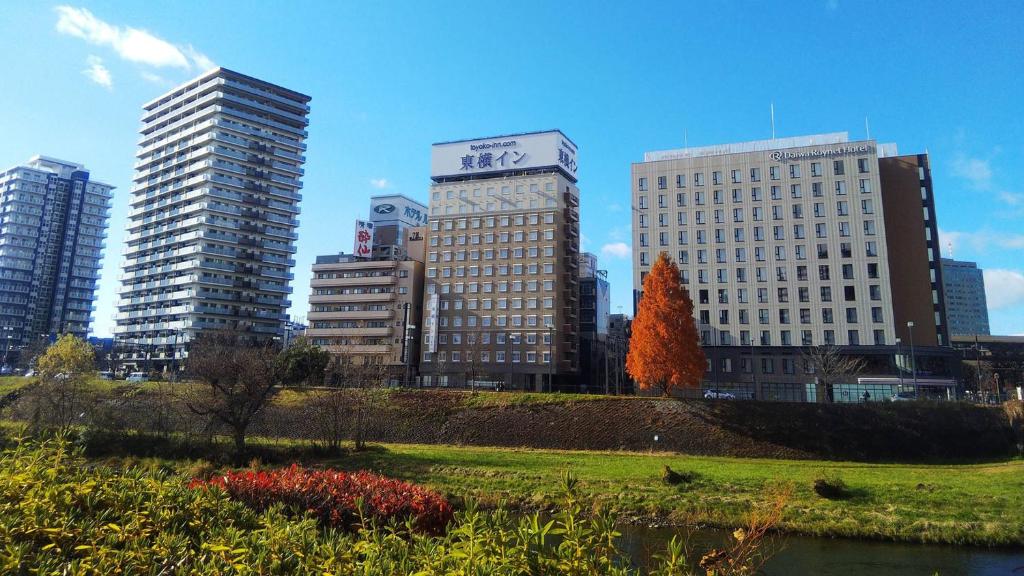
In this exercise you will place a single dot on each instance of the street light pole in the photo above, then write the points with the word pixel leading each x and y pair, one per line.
pixel 913 357
pixel 899 354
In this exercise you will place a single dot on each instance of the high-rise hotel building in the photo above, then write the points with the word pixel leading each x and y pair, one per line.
pixel 52 230
pixel 213 214
pixel 501 292
pixel 791 243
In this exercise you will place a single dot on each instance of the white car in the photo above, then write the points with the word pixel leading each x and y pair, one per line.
pixel 718 395
pixel 137 377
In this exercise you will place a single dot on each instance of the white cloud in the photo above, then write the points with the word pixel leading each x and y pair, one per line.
pixel 616 250
pixel 976 171
pixel 618 233
pixel 1003 288
pixel 131 44
pixel 97 72
pixel 1012 198
pixel 379 183
pixel 978 242
pixel 154 78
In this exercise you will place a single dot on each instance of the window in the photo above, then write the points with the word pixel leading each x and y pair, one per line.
pixel 755 174
pixel 849 293
pixel 862 165
pixel 642 185
pixel 774 173
pixel 662 182
pixel 716 177
pixel 841 187
pixel 794 171
pixel 680 180
pixel 826 293
pixel 866 207
pixel 838 168
pixel 815 168
pixel 865 186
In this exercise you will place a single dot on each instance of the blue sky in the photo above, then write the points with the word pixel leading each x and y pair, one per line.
pixel 389 78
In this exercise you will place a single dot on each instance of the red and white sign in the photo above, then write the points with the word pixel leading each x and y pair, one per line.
pixel 363 245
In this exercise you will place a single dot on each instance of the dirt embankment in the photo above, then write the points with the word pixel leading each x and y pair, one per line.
pixel 902 431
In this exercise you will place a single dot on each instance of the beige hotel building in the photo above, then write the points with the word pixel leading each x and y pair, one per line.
pixel 794 242
pixel 501 289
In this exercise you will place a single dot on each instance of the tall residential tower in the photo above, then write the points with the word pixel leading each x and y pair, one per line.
pixel 966 304
pixel 213 215
pixel 51 243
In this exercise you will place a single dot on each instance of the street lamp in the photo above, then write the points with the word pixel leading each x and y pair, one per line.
pixel 913 358
pixel 899 354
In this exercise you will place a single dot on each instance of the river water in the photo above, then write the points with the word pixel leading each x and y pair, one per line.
pixel 809 556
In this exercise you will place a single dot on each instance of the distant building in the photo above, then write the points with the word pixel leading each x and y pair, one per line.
pixel 966 306
pixel 619 332
pixel 595 305
pixel 292 330
pixel 366 309
pixel 51 243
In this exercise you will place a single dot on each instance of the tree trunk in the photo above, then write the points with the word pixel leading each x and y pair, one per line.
pixel 239 437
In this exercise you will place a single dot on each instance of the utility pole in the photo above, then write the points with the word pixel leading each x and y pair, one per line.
pixel 913 357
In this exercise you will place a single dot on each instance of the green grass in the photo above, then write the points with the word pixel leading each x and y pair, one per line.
pixel 9 384
pixel 963 504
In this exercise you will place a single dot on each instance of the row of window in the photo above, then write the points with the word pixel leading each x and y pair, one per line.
pixel 756 194
pixel 501 253
pixel 492 238
pixel 784 316
pixel 506 190
pixel 489 270
pixel 491 221
pixel 760 255
pixel 828 338
pixel 739 234
pixel 774 173
pixel 782 294
pixel 760 275
pixel 757 213
pixel 489 287
pixel 500 357
pixel 500 320
pixel 499 338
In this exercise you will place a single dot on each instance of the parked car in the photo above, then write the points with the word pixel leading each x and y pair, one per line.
pixel 106 375
pixel 138 377
pixel 718 395
pixel 903 397
pixel 30 373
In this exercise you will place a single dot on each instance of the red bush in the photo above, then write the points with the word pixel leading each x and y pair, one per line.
pixel 332 496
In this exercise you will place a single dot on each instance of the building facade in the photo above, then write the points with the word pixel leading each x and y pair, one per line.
pixel 784 245
pixel 51 243
pixel 595 308
pixel 501 295
pixel 366 309
pixel 213 215
pixel 966 306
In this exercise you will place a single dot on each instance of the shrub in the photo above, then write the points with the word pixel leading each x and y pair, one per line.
pixel 338 499
pixel 61 514
pixel 830 485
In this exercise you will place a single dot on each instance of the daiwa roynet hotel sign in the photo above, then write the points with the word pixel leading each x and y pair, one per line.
pixel 515 152
pixel 786 156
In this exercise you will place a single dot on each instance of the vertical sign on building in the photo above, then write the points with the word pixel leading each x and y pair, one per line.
pixel 363 245
pixel 430 330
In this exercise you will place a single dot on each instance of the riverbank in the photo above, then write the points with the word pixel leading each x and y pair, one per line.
pixel 971 504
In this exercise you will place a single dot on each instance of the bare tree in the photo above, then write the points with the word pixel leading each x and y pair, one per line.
pixel 829 364
pixel 236 378
pixel 365 380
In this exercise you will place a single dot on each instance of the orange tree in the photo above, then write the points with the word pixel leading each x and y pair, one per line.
pixel 663 351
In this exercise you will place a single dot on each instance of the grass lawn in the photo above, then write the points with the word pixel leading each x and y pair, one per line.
pixel 961 504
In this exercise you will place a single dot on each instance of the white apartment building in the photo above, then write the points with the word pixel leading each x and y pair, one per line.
pixel 213 215
pixel 501 292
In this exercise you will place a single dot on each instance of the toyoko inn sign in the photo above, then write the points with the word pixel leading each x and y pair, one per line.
pixel 786 156
pixel 503 154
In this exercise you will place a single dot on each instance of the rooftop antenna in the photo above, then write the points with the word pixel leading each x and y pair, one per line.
pixel 685 140
pixel 867 127
pixel 773 120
